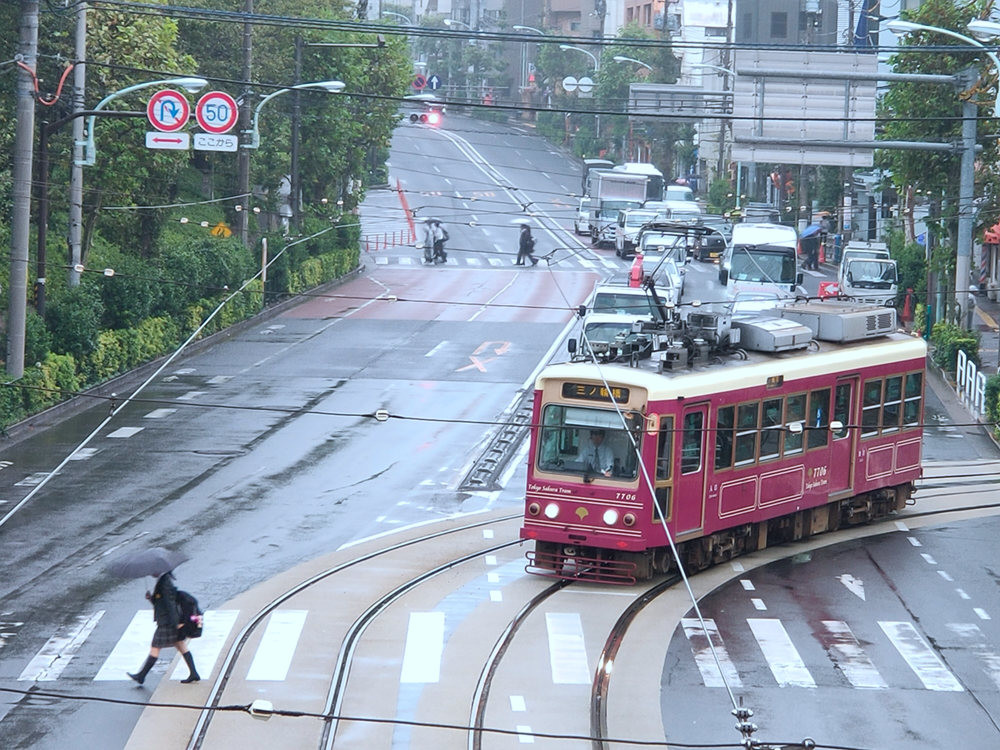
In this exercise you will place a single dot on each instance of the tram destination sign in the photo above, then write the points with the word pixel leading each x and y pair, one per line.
pixel 593 392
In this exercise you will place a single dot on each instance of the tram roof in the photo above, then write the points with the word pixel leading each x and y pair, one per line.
pixel 734 374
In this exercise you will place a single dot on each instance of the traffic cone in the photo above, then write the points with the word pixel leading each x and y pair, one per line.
pixel 822 253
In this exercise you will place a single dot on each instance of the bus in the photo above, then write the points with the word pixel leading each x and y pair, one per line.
pixel 760 266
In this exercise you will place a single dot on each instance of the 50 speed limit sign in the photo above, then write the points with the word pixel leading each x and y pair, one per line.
pixel 216 112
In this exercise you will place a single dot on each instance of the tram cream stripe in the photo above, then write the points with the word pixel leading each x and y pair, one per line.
pixel 782 656
pixel 923 660
pixel 567 651
pixel 277 645
pixel 424 646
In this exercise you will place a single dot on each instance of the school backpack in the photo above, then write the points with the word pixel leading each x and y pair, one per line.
pixel 190 614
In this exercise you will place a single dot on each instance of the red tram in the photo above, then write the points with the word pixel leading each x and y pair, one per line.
pixel 817 426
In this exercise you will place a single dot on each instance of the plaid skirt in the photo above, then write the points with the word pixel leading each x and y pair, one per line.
pixel 165 636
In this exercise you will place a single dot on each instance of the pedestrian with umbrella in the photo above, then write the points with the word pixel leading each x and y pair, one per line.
pixel 159 563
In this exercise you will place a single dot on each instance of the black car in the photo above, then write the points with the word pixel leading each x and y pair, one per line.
pixel 711 245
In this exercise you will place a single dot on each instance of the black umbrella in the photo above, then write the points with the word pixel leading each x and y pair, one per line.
pixel 148 562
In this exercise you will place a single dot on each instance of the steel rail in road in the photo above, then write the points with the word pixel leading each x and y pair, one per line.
pixel 229 662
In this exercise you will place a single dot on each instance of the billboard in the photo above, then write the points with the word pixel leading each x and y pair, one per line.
pixel 803 96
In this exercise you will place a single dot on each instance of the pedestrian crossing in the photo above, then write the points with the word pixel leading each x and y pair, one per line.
pixel 506 261
pixel 767 652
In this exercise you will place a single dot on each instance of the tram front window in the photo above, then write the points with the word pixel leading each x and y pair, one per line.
pixel 588 442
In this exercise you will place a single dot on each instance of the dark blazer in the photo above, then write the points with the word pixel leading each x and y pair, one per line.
pixel 165 610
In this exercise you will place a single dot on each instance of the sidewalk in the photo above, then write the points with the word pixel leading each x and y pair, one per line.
pixel 984 320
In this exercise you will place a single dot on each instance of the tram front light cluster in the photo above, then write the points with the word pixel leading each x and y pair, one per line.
pixel 551 511
pixel 534 509
pixel 629 519
pixel 610 516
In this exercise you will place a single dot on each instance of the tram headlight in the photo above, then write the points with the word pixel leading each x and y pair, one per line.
pixel 534 509
pixel 551 510
pixel 610 517
pixel 629 519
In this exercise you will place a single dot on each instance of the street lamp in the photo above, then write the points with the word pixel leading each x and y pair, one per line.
pixel 623 59
pixel 719 68
pixel 332 87
pixel 591 55
pixel 89 153
pixel 398 15
pixel 519 27
pixel 967 171
pixel 452 21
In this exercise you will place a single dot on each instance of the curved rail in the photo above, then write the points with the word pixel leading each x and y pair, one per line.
pixel 229 662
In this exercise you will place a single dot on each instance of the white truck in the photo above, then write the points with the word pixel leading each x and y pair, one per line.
pixel 611 192
pixel 868 275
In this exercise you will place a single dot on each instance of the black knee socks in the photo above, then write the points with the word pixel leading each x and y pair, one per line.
pixel 193 676
pixel 140 676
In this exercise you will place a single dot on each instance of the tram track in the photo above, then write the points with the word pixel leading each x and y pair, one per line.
pixel 200 731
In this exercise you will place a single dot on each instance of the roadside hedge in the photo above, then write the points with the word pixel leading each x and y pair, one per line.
pixel 948 339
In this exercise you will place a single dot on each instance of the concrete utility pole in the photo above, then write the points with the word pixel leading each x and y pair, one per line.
pixel 76 168
pixel 966 208
pixel 21 214
pixel 246 116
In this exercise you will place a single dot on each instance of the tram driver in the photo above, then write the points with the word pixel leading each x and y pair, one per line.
pixel 597 456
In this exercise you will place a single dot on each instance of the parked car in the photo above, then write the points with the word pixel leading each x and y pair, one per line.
pixel 581 224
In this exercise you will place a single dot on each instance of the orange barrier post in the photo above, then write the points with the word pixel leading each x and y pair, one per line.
pixel 907 314
pixel 635 274
pixel 822 252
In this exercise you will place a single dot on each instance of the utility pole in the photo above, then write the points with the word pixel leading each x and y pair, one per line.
pixel 966 207
pixel 246 117
pixel 75 238
pixel 21 214
pixel 295 178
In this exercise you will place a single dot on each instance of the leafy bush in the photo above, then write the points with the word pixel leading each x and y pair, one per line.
pixel 131 294
pixel 37 340
pixel 993 402
pixel 74 320
pixel 948 339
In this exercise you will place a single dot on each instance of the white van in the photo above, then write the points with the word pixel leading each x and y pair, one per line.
pixel 760 264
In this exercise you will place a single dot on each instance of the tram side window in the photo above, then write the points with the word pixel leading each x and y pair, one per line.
pixel 664 448
pixel 893 401
pixel 746 433
pixel 842 407
pixel 724 437
pixel 871 407
pixel 912 395
pixel 770 435
pixel 819 418
pixel 691 442
pixel 795 412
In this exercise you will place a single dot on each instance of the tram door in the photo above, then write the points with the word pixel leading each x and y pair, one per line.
pixel 843 441
pixel 690 476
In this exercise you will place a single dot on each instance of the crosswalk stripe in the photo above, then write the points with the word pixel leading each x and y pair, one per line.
pixel 782 656
pixel 48 664
pixel 206 650
pixel 277 645
pixel 921 658
pixel 131 649
pixel 703 657
pixel 424 647
pixel 567 652
pixel 989 660
pixel 850 657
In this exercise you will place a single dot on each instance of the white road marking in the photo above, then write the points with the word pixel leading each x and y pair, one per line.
pixel 781 655
pixel 277 645
pixel 206 650
pixel 487 533
pixel 436 168
pixel 901 526
pixel 190 395
pixel 737 566
pixel 517 703
pixel 5 464
pixel 424 646
pixel 524 734
pixel 59 650
pixel 83 454
pixel 699 639
pixel 131 648
pixel 219 379
pixel 851 658
pixel 496 595
pixel 758 603
pixel 184 371
pixel 493 578
pixel 381 260
pixel 159 413
pixel 491 560
pixel 981 613
pixel 989 660
pixel 567 652
pixel 914 541
pixel 923 660
pixel 928 559
pixel 32 479
pixel 435 350
pixel 962 594
pixel 747 584
pixel 855 585
pixel 124 432
pixel 944 574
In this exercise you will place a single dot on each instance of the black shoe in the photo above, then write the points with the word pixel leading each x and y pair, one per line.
pixel 191 678
pixel 140 678
pixel 534 261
